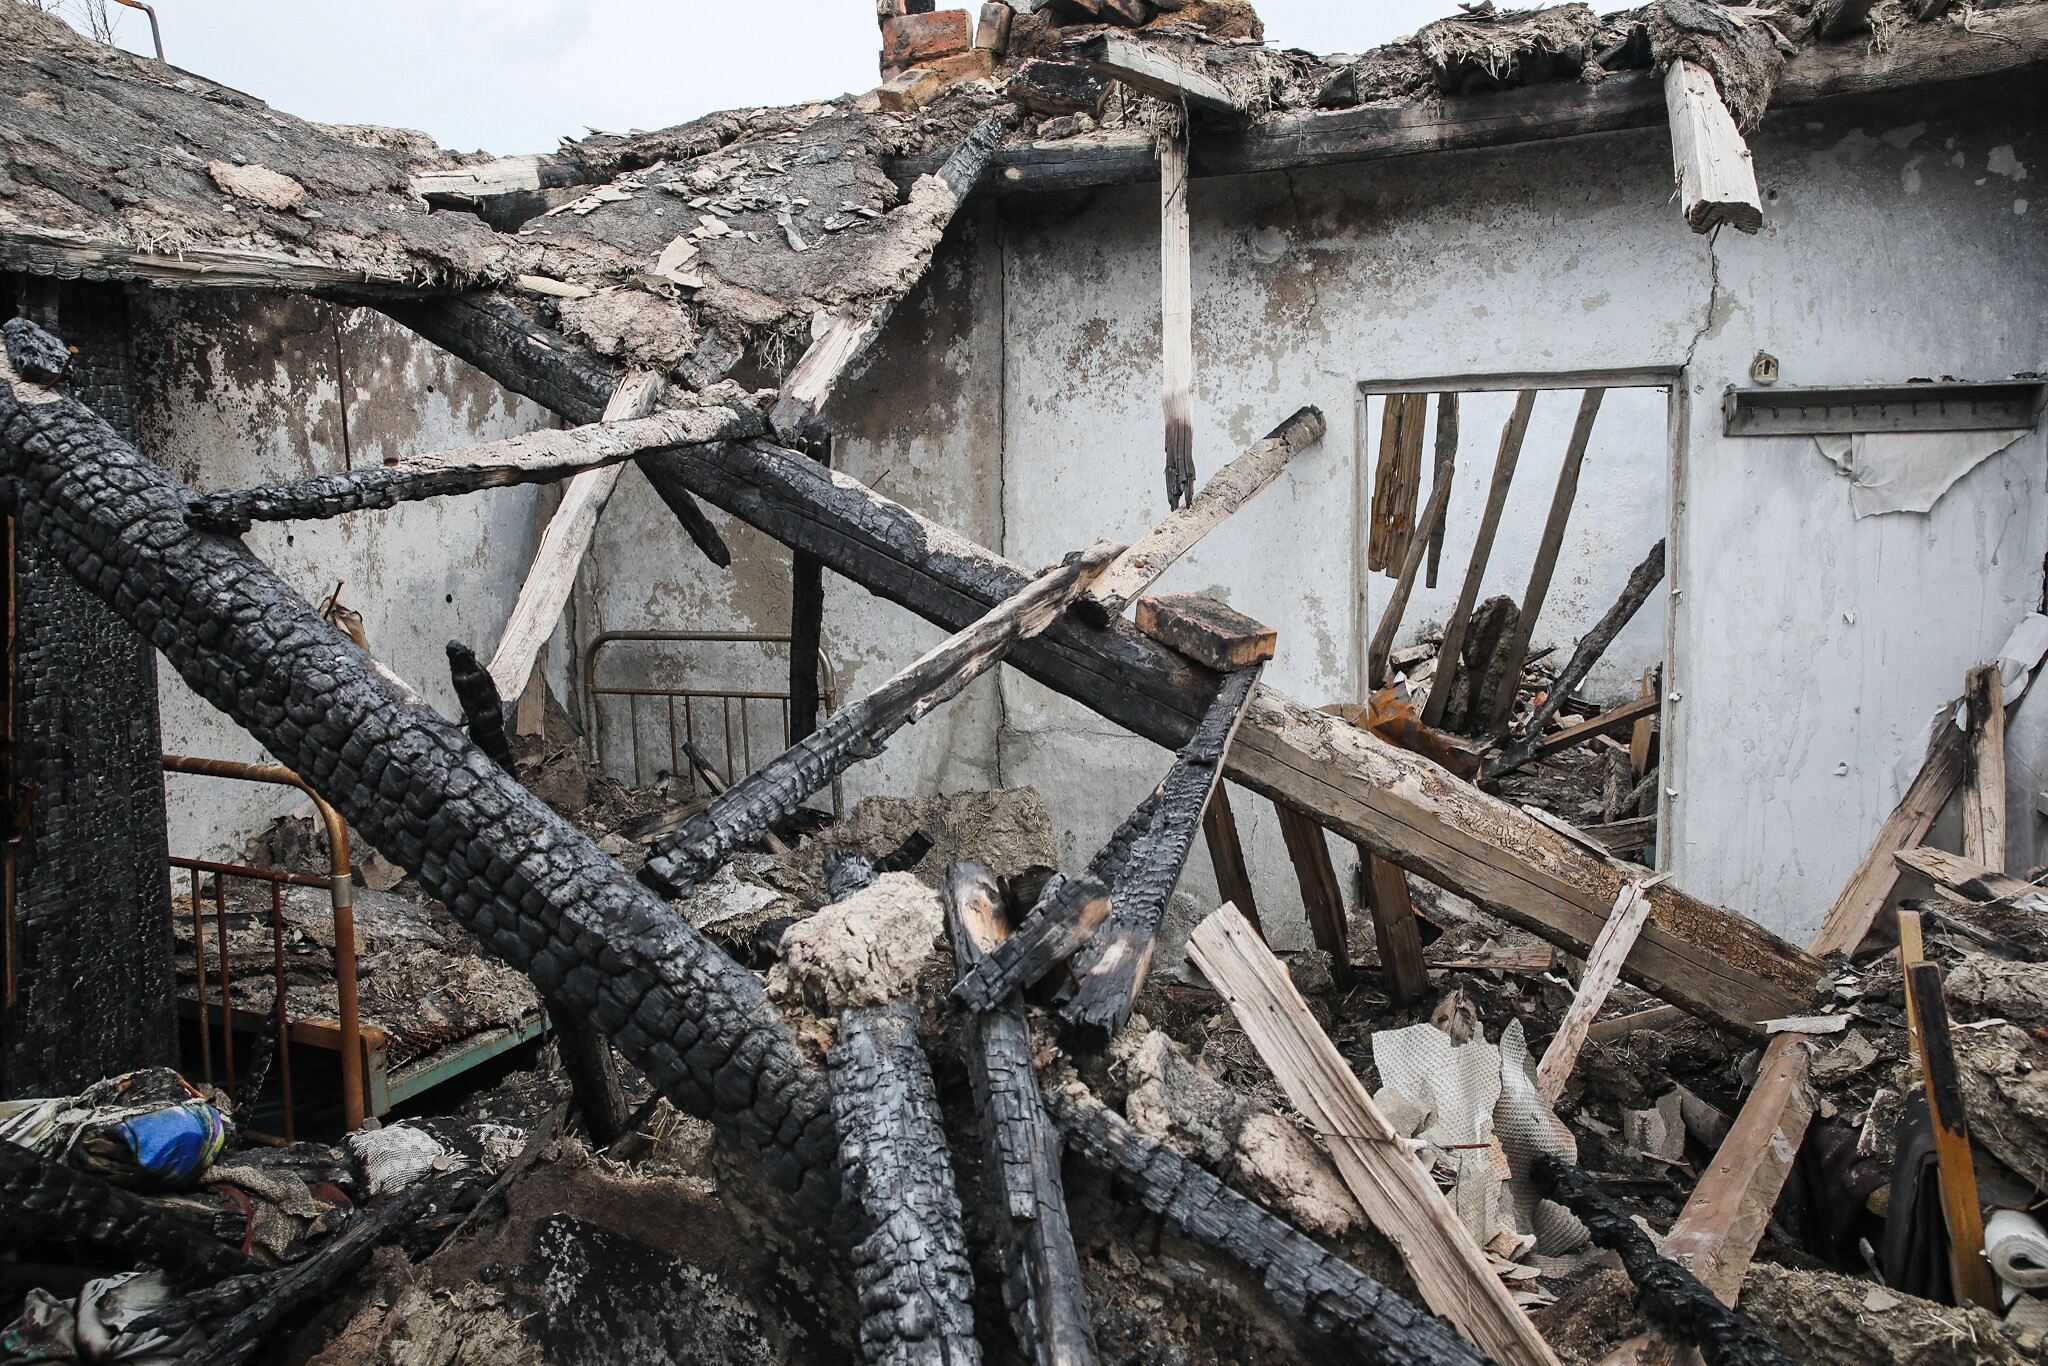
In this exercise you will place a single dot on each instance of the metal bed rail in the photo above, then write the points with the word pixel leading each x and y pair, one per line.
pixel 341 888
pixel 737 731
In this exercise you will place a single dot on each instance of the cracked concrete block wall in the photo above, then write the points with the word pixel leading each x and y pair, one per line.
pixel 245 389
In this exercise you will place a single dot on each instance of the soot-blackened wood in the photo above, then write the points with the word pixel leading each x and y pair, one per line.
pixel 1066 912
pixel 37 356
pixel 1446 459
pixel 806 625
pixel 483 712
pixel 910 1266
pixel 1211 633
pixel 285 1289
pixel 538 457
pixel 1042 1285
pixel 40 1199
pixel 1110 968
pixel 1326 1292
pixel 747 811
pixel 498 338
pixel 1671 1294
pixel 1643 578
pixel 534 889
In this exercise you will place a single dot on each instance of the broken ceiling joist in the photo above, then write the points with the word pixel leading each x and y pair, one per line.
pixel 535 457
pixel 1143 66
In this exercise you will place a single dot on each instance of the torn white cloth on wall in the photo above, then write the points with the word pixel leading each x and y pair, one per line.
pixel 1908 471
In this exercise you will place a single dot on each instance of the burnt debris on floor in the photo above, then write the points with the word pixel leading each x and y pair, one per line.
pixel 719 1065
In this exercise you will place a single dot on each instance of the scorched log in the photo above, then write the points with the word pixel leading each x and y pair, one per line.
pixel 525 881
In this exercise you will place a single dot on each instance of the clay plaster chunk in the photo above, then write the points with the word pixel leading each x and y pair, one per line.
pixel 258 184
pixel 863 951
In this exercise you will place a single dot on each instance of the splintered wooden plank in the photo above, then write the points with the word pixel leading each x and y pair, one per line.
pixel 1393 1188
pixel 1968 1270
pixel 1621 718
pixel 1511 437
pixel 1156 73
pixel 1397 602
pixel 562 545
pixel 1229 489
pixel 1176 317
pixel 1502 705
pixel 1603 970
pixel 1321 896
pixel 1984 792
pixel 1397 480
pixel 1716 178
pixel 1210 633
pixel 1955 874
pixel 1864 895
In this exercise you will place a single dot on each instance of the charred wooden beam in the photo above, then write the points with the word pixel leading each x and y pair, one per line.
pixel 1146 68
pixel 1213 635
pixel 1111 966
pixel 526 882
pixel 260 1303
pixel 1067 911
pixel 41 1199
pixel 1042 1285
pixel 910 1266
pixel 750 808
pixel 1326 1292
pixel 1641 580
pixel 934 200
pixel 536 457
pixel 1671 1294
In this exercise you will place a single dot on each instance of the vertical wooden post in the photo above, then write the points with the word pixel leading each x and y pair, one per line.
pixel 1176 317
pixel 1396 480
pixel 1959 1207
pixel 1502 704
pixel 1446 458
pixel 1397 605
pixel 1320 894
pixel 1394 928
pixel 1226 852
pixel 1639 738
pixel 1475 573
pixel 1984 794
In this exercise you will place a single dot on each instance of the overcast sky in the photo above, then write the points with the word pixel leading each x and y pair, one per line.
pixel 509 76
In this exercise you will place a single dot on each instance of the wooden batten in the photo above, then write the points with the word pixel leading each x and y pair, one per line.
pixel 562 545
pixel 1984 790
pixel 1397 480
pixel 1394 1190
pixel 1511 437
pixel 1716 179
pixel 1176 317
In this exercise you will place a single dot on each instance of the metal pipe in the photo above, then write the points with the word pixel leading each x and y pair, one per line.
pixel 199 975
pixel 227 1019
pixel 155 34
pixel 284 1043
pixel 341 886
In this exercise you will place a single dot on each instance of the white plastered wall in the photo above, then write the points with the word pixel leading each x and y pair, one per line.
pixel 247 389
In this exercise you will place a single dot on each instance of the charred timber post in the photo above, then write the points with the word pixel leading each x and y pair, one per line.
pixel 43 1199
pixel 910 1266
pixel 1327 1293
pixel 525 881
pixel 499 339
pixel 536 457
pixel 1042 1285
pixel 1111 966
pixel 1671 1294
pixel 483 712
pixel 749 808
